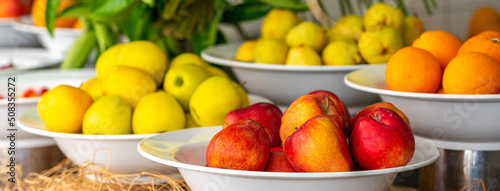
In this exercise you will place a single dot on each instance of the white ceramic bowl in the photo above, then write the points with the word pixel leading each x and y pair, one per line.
pixel 35 80
pixel 61 42
pixel 455 122
pixel 24 59
pixel 119 151
pixel 12 38
pixel 186 150
pixel 283 84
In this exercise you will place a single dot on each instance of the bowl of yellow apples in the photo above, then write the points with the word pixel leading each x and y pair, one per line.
pixel 293 57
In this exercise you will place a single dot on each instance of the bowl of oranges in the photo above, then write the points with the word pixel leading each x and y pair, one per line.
pixel 448 89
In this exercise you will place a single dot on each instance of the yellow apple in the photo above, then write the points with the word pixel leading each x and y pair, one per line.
pixel 377 46
pixel 302 55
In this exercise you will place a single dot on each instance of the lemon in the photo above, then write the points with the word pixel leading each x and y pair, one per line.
pixel 158 112
pixel 214 71
pixel 188 58
pixel 278 22
pixel 213 100
pixel 245 51
pixel 93 87
pixel 62 108
pixel 129 83
pixel 270 51
pixel 190 123
pixel 242 94
pixel 182 80
pixel 110 115
pixel 143 55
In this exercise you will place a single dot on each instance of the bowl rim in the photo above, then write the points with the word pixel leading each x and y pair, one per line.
pixel 34 75
pixel 24 24
pixel 26 123
pixel 208 55
pixel 423 96
pixel 282 175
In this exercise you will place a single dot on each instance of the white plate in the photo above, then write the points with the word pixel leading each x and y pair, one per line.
pixel 81 148
pixel 455 122
pixel 186 150
pixel 35 80
pixel 27 59
pixel 61 41
pixel 283 84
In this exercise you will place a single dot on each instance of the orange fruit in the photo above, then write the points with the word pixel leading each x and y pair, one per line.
pixel 78 25
pixel 38 13
pixel 483 19
pixel 444 46
pixel 487 42
pixel 413 69
pixel 440 91
pixel 472 73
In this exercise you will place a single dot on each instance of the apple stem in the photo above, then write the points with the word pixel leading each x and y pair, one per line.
pixel 179 82
pixel 376 117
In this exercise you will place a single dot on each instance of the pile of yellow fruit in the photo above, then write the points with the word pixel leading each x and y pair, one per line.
pixel 286 39
pixel 135 92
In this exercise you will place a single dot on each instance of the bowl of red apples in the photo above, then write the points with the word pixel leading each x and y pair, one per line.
pixel 313 145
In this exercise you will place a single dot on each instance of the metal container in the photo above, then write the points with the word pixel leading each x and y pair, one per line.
pixel 31 155
pixel 459 169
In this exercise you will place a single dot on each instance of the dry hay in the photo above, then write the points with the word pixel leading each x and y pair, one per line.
pixel 69 177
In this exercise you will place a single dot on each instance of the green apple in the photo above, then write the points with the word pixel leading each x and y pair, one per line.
pixel 213 100
pixel 158 112
pixel 302 55
pixel 381 14
pixel 278 22
pixel 377 46
pixel 413 28
pixel 348 28
pixel 182 80
pixel 341 53
pixel 307 33
pixel 270 51
pixel 109 115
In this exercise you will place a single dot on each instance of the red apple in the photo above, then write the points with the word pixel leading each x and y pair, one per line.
pixel 278 161
pixel 368 110
pixel 244 145
pixel 306 107
pixel 381 140
pixel 266 114
pixel 319 145
pixel 12 8
pixel 339 104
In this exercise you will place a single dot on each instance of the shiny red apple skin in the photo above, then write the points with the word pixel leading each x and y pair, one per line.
pixel 278 161
pixel 266 114
pixel 319 145
pixel 339 104
pixel 305 108
pixel 381 140
pixel 13 8
pixel 244 145
pixel 368 110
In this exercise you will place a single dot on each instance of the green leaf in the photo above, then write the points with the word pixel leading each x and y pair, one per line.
pixel 287 4
pixel 79 51
pixel 245 12
pixel 51 15
pixel 150 3
pixel 135 24
pixel 112 10
pixel 208 36
pixel 104 35
pixel 78 10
